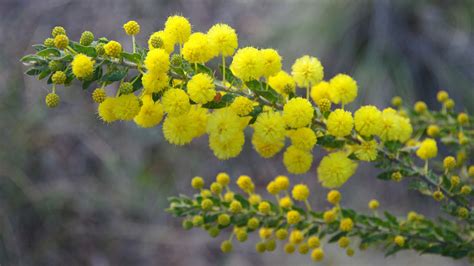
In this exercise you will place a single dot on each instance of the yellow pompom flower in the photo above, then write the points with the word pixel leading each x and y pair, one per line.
pixel 366 151
pixel 344 242
pixel 105 110
pixel 224 38
pixel 317 254
pixel 242 105
pixel 285 202
pixel 269 134
pixel 449 162
pixel 340 123
pixel 343 89
pixel 463 118
pixel 420 107
pixel 178 27
pixel 154 82
pixel 335 169
pixel 131 27
pixel 266 148
pixel 228 146
pixel 223 179
pixel 293 217
pixel 314 242
pixel 374 204
pixel 273 188
pixel 394 126
pixel 320 91
pixel 399 240
pixel 333 197
pixel 245 183
pixel 126 107
pixel 82 66
pixel 428 149
pixel 432 130
pixel 179 129
pixel 176 102
pixel 298 112
pixel 329 216
pixel 300 192
pixel 271 62
pixel 201 88
pixel 157 61
pixel 264 207
pixel 296 237
pixel 282 182
pixel 297 161
pixel 150 113
pixel 225 123
pixel 442 96
pixel 197 182
pixel 163 40
pixel 346 225
pixel 247 64
pixel 282 83
pixel 302 138
pixel 255 199
pixel 113 49
pixel 368 120
pixel 61 41
pixel 198 49
pixel 307 70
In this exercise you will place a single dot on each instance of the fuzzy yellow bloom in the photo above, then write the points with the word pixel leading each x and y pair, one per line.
pixel 197 182
pixel 245 183
pixel 198 49
pixel 176 102
pixel 298 112
pixel 368 120
pixel 126 107
pixel 329 216
pixel 264 207
pixel 180 129
pixel 178 27
pixel 254 199
pixel 374 204
pixel 154 82
pixel 267 148
pixel 307 70
pixel 449 162
pixel 296 237
pixel 273 188
pixel 131 27
pixel 340 123
pixel 314 242
pixel 285 202
pixel 317 254
pixel 343 89
pixel 346 225
pixel 344 242
pixel 432 130
pixel 224 38
pixel 366 151
pixel 282 182
pixel 223 178
pixel 247 64
pixel 302 138
pixel 399 240
pixel 224 123
pixel 297 161
pixel 157 61
pixel 270 126
pixel 428 149
pixel 395 127
pixel 113 49
pixel 420 107
pixel 463 118
pixel 271 62
pixel 150 113
pixel 300 192
pixel 227 148
pixel 199 116
pixel 283 83
pixel 335 169
pixel 61 41
pixel 235 206
pixel 201 88
pixel 265 232
pixel 105 110
pixel 442 96
pixel 320 91
pixel 161 39
pixel 82 66
pixel 242 105
pixel 333 197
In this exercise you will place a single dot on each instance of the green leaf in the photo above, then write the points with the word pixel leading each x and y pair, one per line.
pixel 392 219
pixel 204 69
pixel 229 77
pixel 115 75
pixel 39 47
pixel 33 71
pixel 224 101
pixel 385 175
pixel 261 89
pixel 49 52
pixel 87 50
pixel 32 58
pixel 134 58
pixel 336 237
pixel 44 74
pixel 242 200
pixel 137 82
pixel 329 141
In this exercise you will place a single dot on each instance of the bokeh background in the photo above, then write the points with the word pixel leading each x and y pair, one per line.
pixel 74 191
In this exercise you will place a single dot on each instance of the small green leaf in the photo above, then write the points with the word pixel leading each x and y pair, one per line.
pixel 329 141
pixel 114 75
pixel 224 101
pixel 49 52
pixel 262 89
pixel 87 50
pixel 134 58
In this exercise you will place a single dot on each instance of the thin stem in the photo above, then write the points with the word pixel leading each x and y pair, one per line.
pixel 134 44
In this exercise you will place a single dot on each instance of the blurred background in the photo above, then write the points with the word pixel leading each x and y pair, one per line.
pixel 74 191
